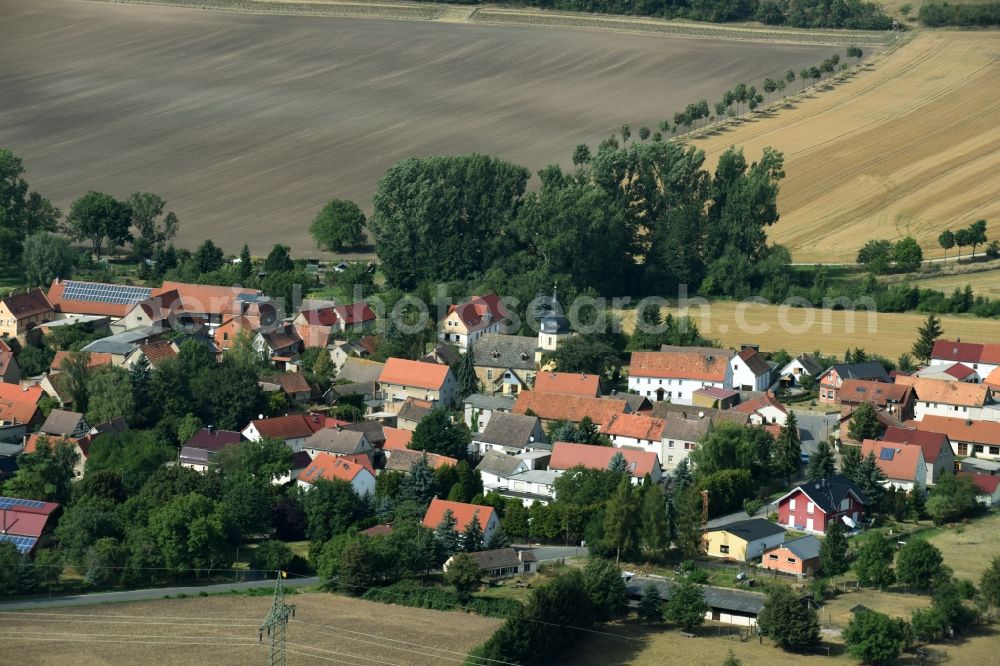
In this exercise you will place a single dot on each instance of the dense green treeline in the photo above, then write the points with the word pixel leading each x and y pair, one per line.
pixel 851 14
pixel 936 15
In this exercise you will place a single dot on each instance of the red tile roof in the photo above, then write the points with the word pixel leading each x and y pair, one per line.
pixel 326 466
pixel 397 438
pixel 634 426
pixel 695 363
pixel 204 298
pixel 568 382
pixel 6 358
pixel 758 403
pixel 566 455
pixel 27 304
pixel 158 351
pixel 290 426
pixel 95 360
pixel 754 361
pixel 966 352
pixel 463 513
pixel 993 379
pixel 959 430
pixel 355 313
pixel 986 483
pixel 878 393
pixel 931 443
pixel 947 392
pixel 18 405
pixel 377 530
pixel 403 372
pixel 960 371
pixel 473 311
pixel 902 465
pixel 559 406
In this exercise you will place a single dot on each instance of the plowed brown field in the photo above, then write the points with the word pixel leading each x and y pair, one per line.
pixel 909 147
pixel 246 124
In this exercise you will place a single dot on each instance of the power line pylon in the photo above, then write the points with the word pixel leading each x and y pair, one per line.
pixel 275 623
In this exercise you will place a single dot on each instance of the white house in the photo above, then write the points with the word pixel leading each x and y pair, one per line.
pixel 763 409
pixel 951 399
pixel 793 372
pixel 332 468
pixel 533 485
pixel 292 429
pixel 467 322
pixel 674 373
pixel 751 372
pixel 983 358
pixel 401 379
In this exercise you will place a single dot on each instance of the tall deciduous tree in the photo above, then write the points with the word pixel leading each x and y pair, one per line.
pixel 47 257
pixel 464 575
pixel 686 606
pixel 787 621
pixel 864 423
pixel 437 433
pixel 989 583
pixel 152 233
pixel 44 475
pixel 338 225
pixel 110 395
pixel 441 218
pixel 604 583
pixel 947 241
pixel 874 638
pixel 874 562
pixel 22 212
pixel 919 564
pixel 100 219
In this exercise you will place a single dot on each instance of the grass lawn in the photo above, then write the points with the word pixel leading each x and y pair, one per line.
pixel 968 549
pixel 837 611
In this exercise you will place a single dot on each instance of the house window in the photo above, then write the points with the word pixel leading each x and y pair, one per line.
pixel 489 374
pixel 670 444
pixel 809 507
pixel 670 459
pixel 963 449
pixel 791 560
pixel 772 557
pixel 724 550
pixel 995 450
pixel 791 504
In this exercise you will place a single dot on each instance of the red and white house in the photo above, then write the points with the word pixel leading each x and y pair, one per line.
pixel 463 514
pixel 358 473
pixel 469 321
pixel 815 505
pixel 982 358
pixel 763 409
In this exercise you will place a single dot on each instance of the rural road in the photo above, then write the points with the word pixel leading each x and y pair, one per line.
pixel 146 595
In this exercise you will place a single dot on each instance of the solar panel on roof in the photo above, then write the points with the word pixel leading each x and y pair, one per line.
pixel 8 502
pixel 117 294
pixel 23 543
pixel 887 454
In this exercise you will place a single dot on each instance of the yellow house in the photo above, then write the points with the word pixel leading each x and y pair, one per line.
pixel 20 313
pixel 743 540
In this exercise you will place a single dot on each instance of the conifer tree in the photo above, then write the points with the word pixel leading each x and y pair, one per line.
pixel 788 449
pixel 447 540
pixel 927 335
pixel 472 535
pixel 820 463
pixel 620 519
pixel 655 524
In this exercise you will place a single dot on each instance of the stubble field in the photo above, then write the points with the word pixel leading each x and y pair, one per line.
pixel 910 147
pixel 223 631
pixel 246 124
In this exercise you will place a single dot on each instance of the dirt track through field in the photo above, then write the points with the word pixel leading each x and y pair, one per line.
pixel 911 147
pixel 246 124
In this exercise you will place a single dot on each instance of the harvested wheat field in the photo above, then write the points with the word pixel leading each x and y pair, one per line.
pixel 909 146
pixel 223 630
pixel 983 283
pixel 804 330
pixel 246 124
